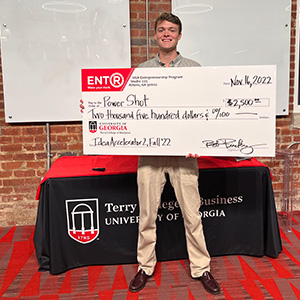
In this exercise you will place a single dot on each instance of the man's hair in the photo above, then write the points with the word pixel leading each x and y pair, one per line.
pixel 168 17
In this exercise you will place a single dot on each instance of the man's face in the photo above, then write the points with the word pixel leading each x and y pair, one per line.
pixel 167 35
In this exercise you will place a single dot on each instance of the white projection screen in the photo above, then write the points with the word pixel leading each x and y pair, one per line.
pixel 239 32
pixel 44 46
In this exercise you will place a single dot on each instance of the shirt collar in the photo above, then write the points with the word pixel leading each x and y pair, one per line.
pixel 173 63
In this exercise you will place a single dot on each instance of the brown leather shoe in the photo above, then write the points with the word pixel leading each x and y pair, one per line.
pixel 209 283
pixel 138 282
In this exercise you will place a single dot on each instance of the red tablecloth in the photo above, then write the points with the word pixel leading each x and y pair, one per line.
pixel 76 166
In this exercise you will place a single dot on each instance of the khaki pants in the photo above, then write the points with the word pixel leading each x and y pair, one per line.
pixel 151 177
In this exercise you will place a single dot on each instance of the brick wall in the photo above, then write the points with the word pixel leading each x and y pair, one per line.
pixel 23 153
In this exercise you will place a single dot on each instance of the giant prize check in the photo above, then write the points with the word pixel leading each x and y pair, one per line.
pixel 212 111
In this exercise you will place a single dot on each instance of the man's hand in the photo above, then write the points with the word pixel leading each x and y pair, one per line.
pixel 81 106
pixel 192 155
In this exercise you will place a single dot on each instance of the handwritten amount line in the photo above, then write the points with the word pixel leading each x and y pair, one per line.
pixel 188 106
pixel 185 120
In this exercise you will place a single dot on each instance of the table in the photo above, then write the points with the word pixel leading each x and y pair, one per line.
pixel 90 217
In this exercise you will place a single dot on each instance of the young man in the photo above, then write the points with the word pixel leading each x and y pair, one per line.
pixel 183 174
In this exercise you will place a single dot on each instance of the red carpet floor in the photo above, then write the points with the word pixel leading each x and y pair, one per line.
pixel 241 277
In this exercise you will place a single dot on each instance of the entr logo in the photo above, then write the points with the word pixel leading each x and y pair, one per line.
pixel 105 79
pixel 113 128
pixel 116 80
pixel 83 219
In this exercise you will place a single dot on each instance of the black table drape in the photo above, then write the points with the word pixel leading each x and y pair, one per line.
pixel 238 215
